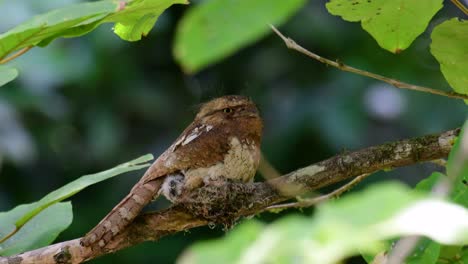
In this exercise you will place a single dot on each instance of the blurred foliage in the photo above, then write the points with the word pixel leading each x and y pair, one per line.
pixel 84 104
pixel 351 225
pixel 358 224
pixel 215 29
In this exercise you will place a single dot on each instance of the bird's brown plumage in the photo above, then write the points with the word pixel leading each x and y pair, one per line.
pixel 222 142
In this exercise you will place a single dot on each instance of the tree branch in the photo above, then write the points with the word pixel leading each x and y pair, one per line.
pixel 291 44
pixel 224 204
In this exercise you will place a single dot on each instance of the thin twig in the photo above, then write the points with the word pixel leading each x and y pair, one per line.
pixel 313 201
pixel 267 170
pixel 16 55
pixel 291 44
pixel 439 162
pixel 460 6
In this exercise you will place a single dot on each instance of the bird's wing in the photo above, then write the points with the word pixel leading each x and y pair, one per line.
pixel 199 146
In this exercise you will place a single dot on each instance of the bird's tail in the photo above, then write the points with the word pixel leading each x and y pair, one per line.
pixel 122 214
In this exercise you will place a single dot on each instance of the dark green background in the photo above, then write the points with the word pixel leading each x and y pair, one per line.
pixel 89 103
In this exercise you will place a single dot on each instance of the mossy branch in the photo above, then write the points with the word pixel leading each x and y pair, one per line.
pixel 233 200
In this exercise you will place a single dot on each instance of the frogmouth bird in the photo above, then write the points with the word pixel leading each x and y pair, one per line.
pixel 222 143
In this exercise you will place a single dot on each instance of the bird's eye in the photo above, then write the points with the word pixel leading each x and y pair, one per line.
pixel 227 110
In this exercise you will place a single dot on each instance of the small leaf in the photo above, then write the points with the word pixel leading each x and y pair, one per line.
pixel 450 47
pixel 428 183
pixel 30 211
pixel 39 232
pixel 7 74
pixel 138 17
pixel 215 29
pixel 394 24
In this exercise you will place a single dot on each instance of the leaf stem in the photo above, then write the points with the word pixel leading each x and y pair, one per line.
pixel 9 235
pixel 16 55
pixel 291 44
pixel 460 6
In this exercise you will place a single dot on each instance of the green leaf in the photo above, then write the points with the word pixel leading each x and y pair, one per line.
pixel 394 24
pixel 7 74
pixel 464 256
pixel 359 222
pixel 215 29
pixel 223 250
pixel 428 183
pixel 39 232
pixel 426 252
pixel 64 192
pixel 452 253
pixel 449 46
pixel 139 17
pixel 131 18
pixel 51 24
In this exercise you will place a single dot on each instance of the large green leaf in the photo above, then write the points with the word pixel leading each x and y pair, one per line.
pixel 19 216
pixel 133 19
pixel 53 23
pixel 7 74
pixel 450 47
pixel 356 223
pixel 394 24
pixel 39 232
pixel 215 29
